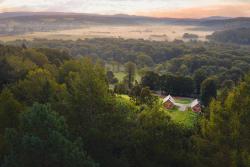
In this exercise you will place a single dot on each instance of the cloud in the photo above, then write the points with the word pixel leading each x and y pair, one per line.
pixel 233 10
pixel 157 8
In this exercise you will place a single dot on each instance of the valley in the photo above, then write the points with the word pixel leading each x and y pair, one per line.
pixel 95 90
pixel 159 32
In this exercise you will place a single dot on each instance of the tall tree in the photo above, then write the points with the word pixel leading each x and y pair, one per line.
pixel 142 95
pixel 158 141
pixel 144 60
pixel 151 80
pixel 36 57
pixel 208 90
pixel 130 69
pixel 10 110
pixel 177 85
pixel 39 86
pixel 226 132
pixel 199 76
pixel 42 140
pixel 88 96
pixel 111 77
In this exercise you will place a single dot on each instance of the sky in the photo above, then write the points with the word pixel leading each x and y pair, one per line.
pixel 155 8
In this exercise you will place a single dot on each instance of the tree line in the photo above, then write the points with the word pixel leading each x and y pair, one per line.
pixel 226 61
pixel 236 36
pixel 198 87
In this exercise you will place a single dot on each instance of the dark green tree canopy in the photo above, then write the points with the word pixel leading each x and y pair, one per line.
pixel 43 140
pixel 208 90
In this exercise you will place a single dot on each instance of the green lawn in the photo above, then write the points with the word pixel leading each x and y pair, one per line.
pixel 183 100
pixel 121 75
pixel 126 97
pixel 187 118
pixel 175 109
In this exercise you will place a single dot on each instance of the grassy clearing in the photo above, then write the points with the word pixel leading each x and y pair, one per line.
pixel 175 109
pixel 120 76
pixel 183 100
pixel 187 118
pixel 126 97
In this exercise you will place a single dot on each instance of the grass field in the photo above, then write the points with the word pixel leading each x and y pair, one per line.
pixel 183 100
pixel 147 32
pixel 187 118
pixel 121 75
pixel 126 97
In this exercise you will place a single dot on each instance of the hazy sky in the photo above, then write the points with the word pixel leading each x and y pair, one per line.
pixel 158 8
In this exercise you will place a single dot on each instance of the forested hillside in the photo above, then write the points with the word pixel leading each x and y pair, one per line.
pixel 226 62
pixel 16 23
pixel 237 36
pixel 61 106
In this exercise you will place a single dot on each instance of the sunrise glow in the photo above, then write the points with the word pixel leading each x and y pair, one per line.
pixel 156 8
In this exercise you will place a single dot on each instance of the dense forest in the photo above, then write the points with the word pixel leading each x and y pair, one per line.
pixel 238 36
pixel 188 59
pixel 60 104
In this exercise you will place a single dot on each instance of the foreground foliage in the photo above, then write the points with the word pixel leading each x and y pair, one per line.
pixel 42 139
pixel 225 135
pixel 56 110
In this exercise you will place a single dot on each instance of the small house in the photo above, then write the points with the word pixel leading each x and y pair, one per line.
pixel 196 106
pixel 169 102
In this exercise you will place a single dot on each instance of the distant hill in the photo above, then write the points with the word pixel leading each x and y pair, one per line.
pixel 27 22
pixel 216 18
pixel 238 36
pixel 13 23
pixel 241 22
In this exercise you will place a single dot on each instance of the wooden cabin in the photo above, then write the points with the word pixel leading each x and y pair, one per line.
pixel 168 102
pixel 196 106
